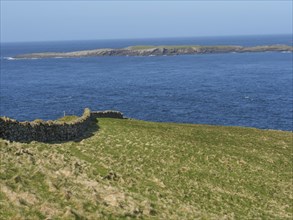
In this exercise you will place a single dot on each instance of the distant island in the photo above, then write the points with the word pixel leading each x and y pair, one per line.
pixel 158 51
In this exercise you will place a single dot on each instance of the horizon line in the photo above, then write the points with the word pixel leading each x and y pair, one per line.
pixel 147 38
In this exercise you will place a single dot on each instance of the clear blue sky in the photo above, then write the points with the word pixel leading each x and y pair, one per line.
pixel 82 20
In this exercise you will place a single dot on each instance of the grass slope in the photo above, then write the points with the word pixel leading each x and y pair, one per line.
pixel 133 168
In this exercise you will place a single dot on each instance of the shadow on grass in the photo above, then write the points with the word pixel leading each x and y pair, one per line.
pixel 89 132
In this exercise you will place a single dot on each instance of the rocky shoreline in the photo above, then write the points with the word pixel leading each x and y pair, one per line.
pixel 157 51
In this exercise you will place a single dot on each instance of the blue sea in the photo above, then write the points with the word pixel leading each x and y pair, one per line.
pixel 238 89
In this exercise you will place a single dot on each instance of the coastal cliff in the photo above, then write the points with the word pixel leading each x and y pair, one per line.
pixel 157 51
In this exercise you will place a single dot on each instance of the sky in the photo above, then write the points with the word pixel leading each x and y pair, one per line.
pixel 89 20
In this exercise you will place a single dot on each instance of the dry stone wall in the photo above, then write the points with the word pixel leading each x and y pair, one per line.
pixel 51 131
pixel 107 114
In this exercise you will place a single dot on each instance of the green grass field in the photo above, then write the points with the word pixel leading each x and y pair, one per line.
pixel 136 169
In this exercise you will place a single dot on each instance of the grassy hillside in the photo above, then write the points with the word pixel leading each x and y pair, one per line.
pixel 131 168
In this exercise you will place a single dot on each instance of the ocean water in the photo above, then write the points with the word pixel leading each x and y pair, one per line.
pixel 247 89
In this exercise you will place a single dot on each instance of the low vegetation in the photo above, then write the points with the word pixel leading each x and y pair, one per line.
pixel 178 47
pixel 136 169
pixel 68 118
pixel 144 47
